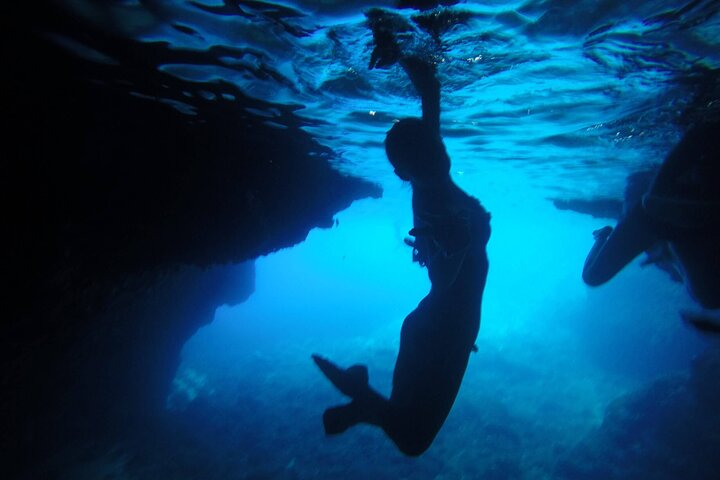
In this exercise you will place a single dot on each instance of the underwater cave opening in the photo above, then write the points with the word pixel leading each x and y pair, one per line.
pixel 553 353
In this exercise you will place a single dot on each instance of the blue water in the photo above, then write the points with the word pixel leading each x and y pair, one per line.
pixel 541 100
pixel 552 353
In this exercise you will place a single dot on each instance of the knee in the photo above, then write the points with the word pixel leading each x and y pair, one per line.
pixel 413 442
pixel 413 447
pixel 591 278
pixel 706 294
pixel 412 430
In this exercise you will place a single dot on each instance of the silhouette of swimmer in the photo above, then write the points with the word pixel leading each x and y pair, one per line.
pixel 681 210
pixel 451 231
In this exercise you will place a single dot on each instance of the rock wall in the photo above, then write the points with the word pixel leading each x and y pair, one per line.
pixel 128 221
pixel 665 431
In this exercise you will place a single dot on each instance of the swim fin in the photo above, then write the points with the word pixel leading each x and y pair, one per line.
pixel 338 419
pixel 351 381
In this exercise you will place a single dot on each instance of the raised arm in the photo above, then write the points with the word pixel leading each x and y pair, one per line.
pixel 422 75
pixel 388 31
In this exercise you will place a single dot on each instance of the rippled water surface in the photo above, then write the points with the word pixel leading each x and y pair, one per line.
pixel 576 92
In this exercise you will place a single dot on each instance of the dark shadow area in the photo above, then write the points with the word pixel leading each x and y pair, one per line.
pixel 128 221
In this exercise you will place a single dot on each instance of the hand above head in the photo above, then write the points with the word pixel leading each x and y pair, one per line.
pixel 385 27
pixel 386 52
pixel 391 34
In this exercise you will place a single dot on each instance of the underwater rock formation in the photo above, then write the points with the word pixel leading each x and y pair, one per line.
pixel 597 208
pixel 636 185
pixel 666 430
pixel 128 222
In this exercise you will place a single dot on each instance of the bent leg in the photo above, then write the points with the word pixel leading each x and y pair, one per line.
pixel 632 235
pixel 428 373
pixel 698 254
pixel 350 381
pixel 413 430
pixel 367 405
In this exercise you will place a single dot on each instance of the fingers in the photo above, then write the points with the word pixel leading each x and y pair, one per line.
pixel 385 53
pixel 374 58
pixel 419 232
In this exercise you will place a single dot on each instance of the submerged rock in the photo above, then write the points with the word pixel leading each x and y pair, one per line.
pixel 597 208
pixel 129 221
pixel 666 430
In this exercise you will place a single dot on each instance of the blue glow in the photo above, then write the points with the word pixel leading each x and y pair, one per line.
pixel 553 352
pixel 541 99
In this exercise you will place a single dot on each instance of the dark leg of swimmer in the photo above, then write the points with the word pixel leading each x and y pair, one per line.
pixel 338 419
pixel 350 381
pixel 402 430
pixel 615 248
pixel 367 405
pixel 600 237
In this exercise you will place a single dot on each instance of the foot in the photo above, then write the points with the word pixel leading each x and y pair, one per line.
pixel 707 321
pixel 338 419
pixel 351 381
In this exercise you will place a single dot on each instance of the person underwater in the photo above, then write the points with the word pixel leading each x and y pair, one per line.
pixel 679 214
pixel 451 231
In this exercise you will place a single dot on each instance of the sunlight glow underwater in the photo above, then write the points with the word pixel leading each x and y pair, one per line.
pixel 540 99
pixel 345 291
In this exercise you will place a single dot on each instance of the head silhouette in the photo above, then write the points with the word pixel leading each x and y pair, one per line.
pixel 416 151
